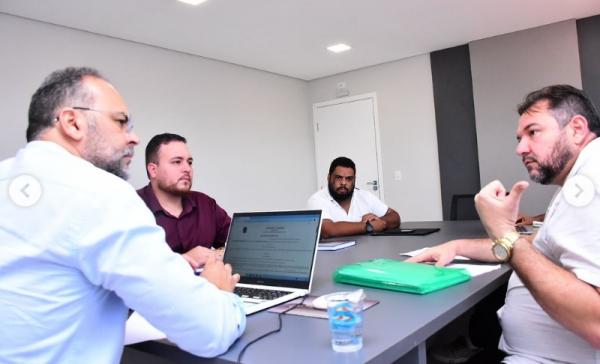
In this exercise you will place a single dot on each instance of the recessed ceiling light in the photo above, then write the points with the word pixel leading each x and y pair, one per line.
pixel 193 2
pixel 340 47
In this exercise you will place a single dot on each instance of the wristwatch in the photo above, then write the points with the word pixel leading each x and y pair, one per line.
pixel 503 246
pixel 368 227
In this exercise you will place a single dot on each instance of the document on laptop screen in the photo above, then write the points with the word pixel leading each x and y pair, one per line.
pixel 273 247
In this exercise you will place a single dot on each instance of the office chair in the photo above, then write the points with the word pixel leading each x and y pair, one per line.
pixel 463 207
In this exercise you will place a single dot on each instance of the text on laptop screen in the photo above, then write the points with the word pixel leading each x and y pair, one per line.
pixel 273 246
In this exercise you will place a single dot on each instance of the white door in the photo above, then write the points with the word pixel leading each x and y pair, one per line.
pixel 349 127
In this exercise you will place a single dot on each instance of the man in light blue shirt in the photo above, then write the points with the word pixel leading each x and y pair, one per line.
pixel 78 246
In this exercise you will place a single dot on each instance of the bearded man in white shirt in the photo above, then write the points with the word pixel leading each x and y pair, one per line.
pixel 348 210
pixel 552 308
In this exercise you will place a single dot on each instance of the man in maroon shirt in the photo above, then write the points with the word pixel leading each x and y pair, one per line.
pixel 195 225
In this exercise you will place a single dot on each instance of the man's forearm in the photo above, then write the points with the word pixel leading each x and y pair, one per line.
pixel 478 249
pixel 569 300
pixel 331 229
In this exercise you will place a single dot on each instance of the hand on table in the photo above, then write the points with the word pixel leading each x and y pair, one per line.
pixel 375 221
pixel 441 255
pixel 369 217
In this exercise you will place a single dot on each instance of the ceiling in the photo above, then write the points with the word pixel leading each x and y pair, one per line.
pixel 289 37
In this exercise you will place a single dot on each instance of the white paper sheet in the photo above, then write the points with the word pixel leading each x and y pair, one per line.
pixel 472 267
pixel 475 269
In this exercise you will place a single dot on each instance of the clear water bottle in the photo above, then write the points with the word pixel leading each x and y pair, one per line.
pixel 345 311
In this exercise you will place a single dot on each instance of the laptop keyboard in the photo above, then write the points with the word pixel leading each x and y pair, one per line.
pixel 260 294
pixel 524 230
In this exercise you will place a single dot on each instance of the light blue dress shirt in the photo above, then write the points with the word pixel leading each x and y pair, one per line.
pixel 71 264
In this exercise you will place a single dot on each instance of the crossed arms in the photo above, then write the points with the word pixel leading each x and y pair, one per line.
pixel 390 220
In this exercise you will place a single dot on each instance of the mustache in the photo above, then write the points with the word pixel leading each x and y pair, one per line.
pixel 127 152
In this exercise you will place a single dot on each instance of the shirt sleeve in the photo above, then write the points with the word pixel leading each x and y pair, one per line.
pixel 317 202
pixel 570 235
pixel 133 260
pixel 572 238
pixel 375 205
pixel 222 221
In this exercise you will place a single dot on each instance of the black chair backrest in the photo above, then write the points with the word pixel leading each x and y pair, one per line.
pixel 463 207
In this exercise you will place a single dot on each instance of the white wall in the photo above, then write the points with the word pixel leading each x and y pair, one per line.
pixel 504 70
pixel 250 131
pixel 407 127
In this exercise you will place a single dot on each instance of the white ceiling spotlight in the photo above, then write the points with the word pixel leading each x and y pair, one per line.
pixel 192 2
pixel 338 48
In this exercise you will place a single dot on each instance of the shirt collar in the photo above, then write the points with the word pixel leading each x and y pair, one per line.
pixel 590 149
pixel 50 146
pixel 188 203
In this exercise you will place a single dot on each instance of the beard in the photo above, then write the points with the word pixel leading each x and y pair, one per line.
pixel 174 188
pixel 98 152
pixel 118 166
pixel 340 196
pixel 553 166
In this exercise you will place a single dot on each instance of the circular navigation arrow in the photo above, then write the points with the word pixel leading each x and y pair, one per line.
pixel 579 191
pixel 25 190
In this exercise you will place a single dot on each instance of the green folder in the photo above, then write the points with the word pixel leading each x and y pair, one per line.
pixel 401 276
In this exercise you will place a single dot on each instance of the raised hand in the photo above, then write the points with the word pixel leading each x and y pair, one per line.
pixel 497 210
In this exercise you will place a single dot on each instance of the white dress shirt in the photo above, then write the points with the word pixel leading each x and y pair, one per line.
pixel 362 203
pixel 71 264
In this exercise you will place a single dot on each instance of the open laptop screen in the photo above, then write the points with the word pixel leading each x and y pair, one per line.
pixel 274 248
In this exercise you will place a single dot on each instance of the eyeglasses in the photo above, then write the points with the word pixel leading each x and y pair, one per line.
pixel 120 117
pixel 123 119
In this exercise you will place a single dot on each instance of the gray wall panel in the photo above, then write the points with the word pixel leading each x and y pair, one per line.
pixel 505 69
pixel 588 32
pixel 455 122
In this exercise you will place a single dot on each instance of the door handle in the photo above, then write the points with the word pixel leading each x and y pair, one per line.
pixel 374 183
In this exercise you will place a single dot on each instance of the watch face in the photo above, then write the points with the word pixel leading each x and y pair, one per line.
pixel 369 228
pixel 500 252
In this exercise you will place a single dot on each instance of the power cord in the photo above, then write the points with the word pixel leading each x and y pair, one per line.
pixel 239 358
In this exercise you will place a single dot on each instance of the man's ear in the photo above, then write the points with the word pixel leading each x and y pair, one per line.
pixel 151 168
pixel 70 124
pixel 580 129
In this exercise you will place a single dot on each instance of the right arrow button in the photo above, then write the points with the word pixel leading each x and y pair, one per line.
pixel 579 191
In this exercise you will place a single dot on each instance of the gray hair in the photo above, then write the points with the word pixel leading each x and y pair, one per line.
pixel 61 88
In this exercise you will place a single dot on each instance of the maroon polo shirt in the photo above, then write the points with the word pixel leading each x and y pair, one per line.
pixel 201 223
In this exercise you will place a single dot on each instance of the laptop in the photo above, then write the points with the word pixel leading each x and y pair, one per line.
pixel 524 230
pixel 274 254
pixel 406 231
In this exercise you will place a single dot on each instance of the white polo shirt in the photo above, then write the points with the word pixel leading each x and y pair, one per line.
pixel 362 203
pixel 570 238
